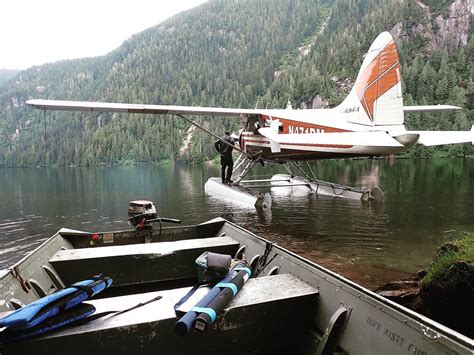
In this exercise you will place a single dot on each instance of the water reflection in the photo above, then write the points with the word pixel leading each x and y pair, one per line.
pixel 426 202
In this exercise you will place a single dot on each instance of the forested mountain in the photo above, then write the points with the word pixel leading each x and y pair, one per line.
pixel 236 54
pixel 6 75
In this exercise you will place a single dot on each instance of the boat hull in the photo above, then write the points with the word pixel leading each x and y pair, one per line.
pixel 293 305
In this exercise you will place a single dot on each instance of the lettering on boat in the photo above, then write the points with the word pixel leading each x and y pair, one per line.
pixel 394 337
pixel 416 350
pixel 373 323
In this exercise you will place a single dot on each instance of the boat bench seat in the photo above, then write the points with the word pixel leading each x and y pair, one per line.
pixel 272 314
pixel 139 263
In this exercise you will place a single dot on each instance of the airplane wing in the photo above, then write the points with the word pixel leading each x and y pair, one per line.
pixel 374 139
pixel 430 108
pixel 430 138
pixel 137 108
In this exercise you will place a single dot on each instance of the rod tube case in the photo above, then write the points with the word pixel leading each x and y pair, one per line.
pixel 186 322
pixel 229 290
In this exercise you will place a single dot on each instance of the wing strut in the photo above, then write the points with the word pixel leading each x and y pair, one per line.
pixel 214 135
pixel 44 121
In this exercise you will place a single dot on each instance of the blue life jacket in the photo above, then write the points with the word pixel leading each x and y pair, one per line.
pixel 62 319
pixel 55 310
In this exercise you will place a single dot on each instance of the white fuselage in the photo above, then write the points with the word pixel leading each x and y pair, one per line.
pixel 302 125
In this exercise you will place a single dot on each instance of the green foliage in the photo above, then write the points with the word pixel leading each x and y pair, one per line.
pixel 430 76
pixel 438 6
pixel 224 53
pixel 449 254
pixel 446 290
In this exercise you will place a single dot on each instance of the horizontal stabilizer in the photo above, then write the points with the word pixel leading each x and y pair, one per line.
pixel 430 108
pixel 370 139
pixel 430 138
pixel 137 108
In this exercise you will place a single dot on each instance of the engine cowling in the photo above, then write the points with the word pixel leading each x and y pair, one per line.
pixel 141 213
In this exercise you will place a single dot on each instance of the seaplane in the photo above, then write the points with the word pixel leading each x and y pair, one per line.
pixel 368 123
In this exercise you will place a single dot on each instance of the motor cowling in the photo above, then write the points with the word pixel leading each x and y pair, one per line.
pixel 141 213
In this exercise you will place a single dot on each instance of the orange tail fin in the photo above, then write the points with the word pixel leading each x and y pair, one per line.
pixel 377 90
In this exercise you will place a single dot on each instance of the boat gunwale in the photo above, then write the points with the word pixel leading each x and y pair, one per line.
pixel 372 297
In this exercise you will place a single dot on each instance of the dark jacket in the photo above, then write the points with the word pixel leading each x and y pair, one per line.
pixel 222 148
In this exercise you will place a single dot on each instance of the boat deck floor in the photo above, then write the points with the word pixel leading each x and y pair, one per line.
pixel 273 312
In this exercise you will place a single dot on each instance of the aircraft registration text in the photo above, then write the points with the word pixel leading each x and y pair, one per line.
pixel 301 130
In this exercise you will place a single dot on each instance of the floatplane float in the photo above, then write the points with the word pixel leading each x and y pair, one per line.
pixel 50 301
pixel 368 123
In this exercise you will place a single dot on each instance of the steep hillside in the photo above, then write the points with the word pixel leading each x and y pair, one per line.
pixel 6 75
pixel 435 46
pixel 234 53
pixel 221 53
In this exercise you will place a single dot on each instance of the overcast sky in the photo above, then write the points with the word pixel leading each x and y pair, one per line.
pixel 34 32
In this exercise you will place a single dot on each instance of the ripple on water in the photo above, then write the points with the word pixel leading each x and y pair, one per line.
pixel 350 237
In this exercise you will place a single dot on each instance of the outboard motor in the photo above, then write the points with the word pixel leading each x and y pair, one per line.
pixel 142 213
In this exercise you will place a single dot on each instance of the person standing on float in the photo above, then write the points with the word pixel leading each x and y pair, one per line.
pixel 224 146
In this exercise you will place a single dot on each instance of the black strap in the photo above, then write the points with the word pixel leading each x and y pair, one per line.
pixel 115 313
pixel 89 289
pixel 92 317
pixel 262 263
pixel 139 305
pixel 187 296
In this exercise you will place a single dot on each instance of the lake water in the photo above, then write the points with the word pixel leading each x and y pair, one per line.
pixel 427 202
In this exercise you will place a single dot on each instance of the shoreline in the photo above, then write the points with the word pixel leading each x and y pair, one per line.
pixel 444 290
pixel 166 162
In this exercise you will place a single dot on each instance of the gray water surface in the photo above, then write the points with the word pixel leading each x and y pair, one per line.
pixel 426 203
